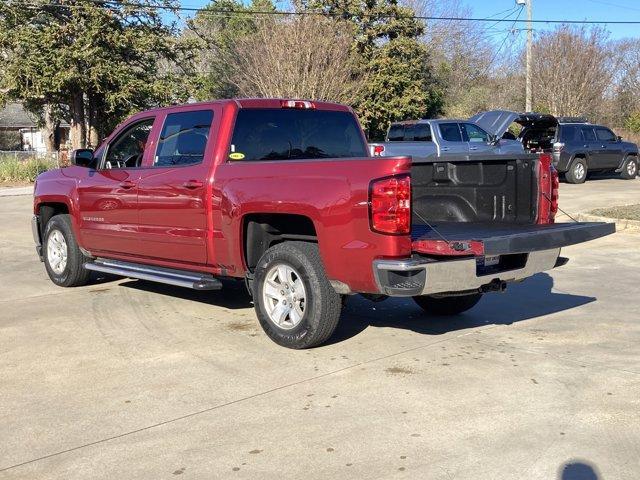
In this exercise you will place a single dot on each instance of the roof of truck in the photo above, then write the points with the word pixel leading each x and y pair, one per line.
pixel 253 103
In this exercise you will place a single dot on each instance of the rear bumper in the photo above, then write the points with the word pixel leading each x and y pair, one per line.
pixel 35 230
pixel 417 276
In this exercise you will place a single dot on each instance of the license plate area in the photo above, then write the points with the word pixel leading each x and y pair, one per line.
pixel 491 264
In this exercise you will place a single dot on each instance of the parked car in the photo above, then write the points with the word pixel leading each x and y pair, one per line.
pixel 425 140
pixel 578 147
pixel 284 194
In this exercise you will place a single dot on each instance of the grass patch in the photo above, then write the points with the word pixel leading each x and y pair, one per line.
pixel 626 212
pixel 14 170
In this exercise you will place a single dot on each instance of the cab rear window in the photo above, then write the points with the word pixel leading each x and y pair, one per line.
pixel 418 132
pixel 295 134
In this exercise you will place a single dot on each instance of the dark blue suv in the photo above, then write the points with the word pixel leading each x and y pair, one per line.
pixel 581 147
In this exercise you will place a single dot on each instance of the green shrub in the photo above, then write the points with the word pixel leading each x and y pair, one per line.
pixel 10 140
pixel 633 122
pixel 15 170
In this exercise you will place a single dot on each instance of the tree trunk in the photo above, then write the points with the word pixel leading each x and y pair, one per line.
pixel 92 113
pixel 49 129
pixel 78 131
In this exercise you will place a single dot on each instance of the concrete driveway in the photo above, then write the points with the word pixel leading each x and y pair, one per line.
pixel 128 379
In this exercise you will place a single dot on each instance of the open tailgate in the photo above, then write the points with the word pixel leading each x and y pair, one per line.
pixel 468 238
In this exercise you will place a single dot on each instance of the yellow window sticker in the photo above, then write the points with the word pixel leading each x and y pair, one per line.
pixel 236 156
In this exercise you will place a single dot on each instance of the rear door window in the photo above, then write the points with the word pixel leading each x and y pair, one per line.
pixel 588 135
pixel 605 135
pixel 570 133
pixel 183 139
pixel 292 134
pixel 450 132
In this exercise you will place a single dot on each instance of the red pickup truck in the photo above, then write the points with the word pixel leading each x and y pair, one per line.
pixel 284 194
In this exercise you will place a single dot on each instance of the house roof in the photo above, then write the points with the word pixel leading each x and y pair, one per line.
pixel 14 115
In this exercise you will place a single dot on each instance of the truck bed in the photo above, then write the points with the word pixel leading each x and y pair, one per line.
pixel 483 238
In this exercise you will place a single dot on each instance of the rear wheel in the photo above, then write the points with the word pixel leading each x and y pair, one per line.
pixel 629 168
pixel 296 305
pixel 447 305
pixel 577 172
pixel 63 259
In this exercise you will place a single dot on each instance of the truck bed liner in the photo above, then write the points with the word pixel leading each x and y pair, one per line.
pixel 482 238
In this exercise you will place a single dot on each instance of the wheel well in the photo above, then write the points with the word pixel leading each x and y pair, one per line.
pixel 49 210
pixel 581 156
pixel 262 231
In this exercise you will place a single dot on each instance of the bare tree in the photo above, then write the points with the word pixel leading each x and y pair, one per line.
pixel 572 71
pixel 476 62
pixel 302 57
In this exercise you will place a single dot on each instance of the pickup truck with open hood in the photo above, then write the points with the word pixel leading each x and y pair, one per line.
pixel 284 195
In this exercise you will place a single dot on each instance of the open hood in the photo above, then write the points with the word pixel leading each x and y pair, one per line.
pixel 496 122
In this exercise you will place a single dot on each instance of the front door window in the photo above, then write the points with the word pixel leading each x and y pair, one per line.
pixel 127 150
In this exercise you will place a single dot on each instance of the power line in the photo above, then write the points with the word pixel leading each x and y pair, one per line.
pixel 344 14
pixel 506 37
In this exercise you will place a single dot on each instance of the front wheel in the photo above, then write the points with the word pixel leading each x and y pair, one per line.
pixel 629 168
pixel 296 305
pixel 447 305
pixel 63 258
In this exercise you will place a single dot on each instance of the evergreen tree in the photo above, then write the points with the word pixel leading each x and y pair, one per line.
pixel 92 62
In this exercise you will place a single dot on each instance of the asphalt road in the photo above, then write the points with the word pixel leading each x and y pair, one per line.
pixel 128 379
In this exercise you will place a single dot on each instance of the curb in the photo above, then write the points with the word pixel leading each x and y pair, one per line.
pixel 15 191
pixel 621 223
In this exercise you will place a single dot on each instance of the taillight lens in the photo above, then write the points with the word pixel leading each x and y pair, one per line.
pixel 390 205
pixel 548 188
pixel 555 194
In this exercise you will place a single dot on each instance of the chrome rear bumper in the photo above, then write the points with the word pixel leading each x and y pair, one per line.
pixel 417 276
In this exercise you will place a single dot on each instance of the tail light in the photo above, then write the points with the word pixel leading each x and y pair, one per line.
pixel 390 205
pixel 549 190
pixel 302 104
pixel 555 194
pixel 377 150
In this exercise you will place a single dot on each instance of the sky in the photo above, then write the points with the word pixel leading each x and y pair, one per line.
pixel 544 9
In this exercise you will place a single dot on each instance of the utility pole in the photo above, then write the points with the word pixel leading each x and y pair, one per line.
pixel 528 106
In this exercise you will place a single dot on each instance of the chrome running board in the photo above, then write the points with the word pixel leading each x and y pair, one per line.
pixel 179 278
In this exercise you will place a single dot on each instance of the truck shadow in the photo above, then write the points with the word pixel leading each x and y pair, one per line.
pixel 233 295
pixel 522 301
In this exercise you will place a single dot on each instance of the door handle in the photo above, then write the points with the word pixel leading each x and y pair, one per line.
pixel 473 148
pixel 445 149
pixel 127 184
pixel 192 184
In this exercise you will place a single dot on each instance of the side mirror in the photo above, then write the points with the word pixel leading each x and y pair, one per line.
pixel 619 138
pixel 81 157
pixel 493 140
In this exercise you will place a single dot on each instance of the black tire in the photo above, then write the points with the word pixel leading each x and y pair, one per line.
pixel 447 305
pixel 73 274
pixel 322 304
pixel 629 168
pixel 578 171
